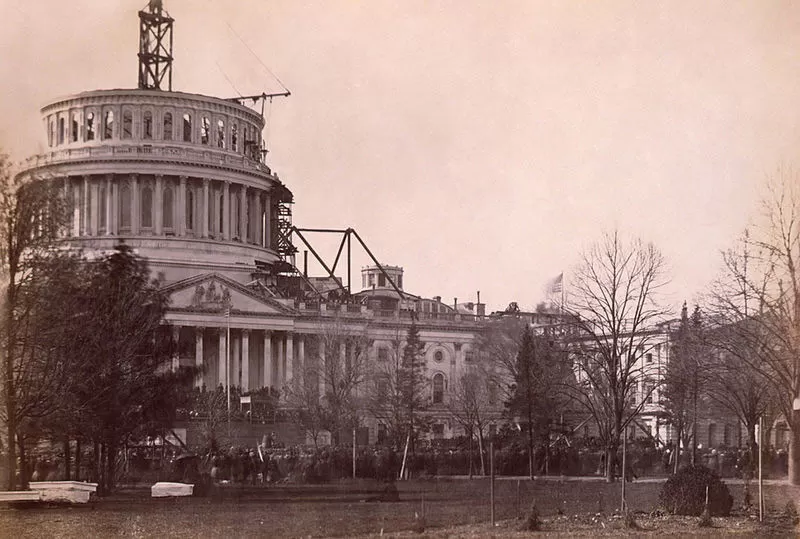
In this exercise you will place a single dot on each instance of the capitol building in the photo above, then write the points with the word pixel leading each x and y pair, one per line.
pixel 181 178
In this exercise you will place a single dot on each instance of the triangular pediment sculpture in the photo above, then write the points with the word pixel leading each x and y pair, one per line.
pixel 212 292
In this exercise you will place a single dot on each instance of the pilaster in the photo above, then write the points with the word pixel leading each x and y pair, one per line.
pixel 245 360
pixel 158 211
pixel 206 208
pixel 182 206
pixel 198 356
pixel 135 211
pixel 267 359
pixel 226 211
pixel 222 361
pixel 243 214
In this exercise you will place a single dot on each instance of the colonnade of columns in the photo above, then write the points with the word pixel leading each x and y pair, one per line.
pixel 163 205
pixel 245 358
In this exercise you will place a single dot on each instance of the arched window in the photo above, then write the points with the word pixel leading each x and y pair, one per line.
pixel 438 388
pixel 127 124
pixel 205 128
pixel 235 137
pixel 75 127
pixel 147 207
pixel 221 134
pixel 61 130
pixel 167 126
pixel 124 206
pixel 90 126
pixel 189 209
pixel 187 127
pixel 147 125
pixel 108 125
pixel 167 208
pixel 51 132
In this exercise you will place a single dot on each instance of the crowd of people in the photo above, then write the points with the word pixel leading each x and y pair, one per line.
pixel 270 463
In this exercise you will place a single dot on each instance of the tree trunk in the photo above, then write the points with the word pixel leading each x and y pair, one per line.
pixel 67 458
pixel 98 468
pixel 11 421
pixel 480 448
pixel 471 436
pixel 111 465
pixel 11 434
pixel 794 449
pixel 77 459
pixel 23 464
pixel 611 455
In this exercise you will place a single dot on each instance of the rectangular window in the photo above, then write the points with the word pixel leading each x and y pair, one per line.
pixel 383 354
pixel 648 357
pixel 381 280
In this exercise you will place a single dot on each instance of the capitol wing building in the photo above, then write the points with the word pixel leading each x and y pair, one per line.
pixel 181 179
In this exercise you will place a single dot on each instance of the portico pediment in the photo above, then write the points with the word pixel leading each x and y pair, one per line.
pixel 212 292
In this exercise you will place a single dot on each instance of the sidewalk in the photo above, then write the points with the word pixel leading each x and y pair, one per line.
pixel 598 479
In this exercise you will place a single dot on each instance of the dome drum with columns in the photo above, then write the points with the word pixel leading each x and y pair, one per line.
pixel 178 176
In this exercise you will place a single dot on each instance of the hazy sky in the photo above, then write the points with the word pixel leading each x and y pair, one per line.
pixel 481 145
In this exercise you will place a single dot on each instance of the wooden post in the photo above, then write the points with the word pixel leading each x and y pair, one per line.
pixel 354 452
pixel 491 478
pixel 624 469
pixel 405 455
pixel 760 469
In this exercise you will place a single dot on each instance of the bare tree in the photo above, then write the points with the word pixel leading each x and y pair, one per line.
pixel 471 403
pixel 340 368
pixel 385 396
pixel 613 299
pixel 740 367
pixel 308 405
pixel 759 295
pixel 399 389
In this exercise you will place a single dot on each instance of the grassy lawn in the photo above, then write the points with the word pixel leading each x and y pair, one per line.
pixel 457 508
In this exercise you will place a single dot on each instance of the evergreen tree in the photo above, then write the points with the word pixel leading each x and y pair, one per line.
pixel 413 384
pixel 123 387
pixel 537 394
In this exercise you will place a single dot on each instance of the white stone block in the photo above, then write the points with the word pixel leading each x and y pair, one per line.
pixel 64 491
pixel 165 489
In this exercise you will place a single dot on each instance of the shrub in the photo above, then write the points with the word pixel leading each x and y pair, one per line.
pixel 685 493
pixel 630 520
pixel 790 512
pixel 532 523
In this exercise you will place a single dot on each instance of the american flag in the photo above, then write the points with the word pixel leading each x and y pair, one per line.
pixel 556 285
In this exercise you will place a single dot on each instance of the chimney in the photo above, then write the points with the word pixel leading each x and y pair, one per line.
pixel 455 304
pixel 437 299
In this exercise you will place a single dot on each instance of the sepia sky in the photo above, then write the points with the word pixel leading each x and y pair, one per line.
pixel 480 144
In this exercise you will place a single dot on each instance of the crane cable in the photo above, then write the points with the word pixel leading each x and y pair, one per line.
pixel 273 75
